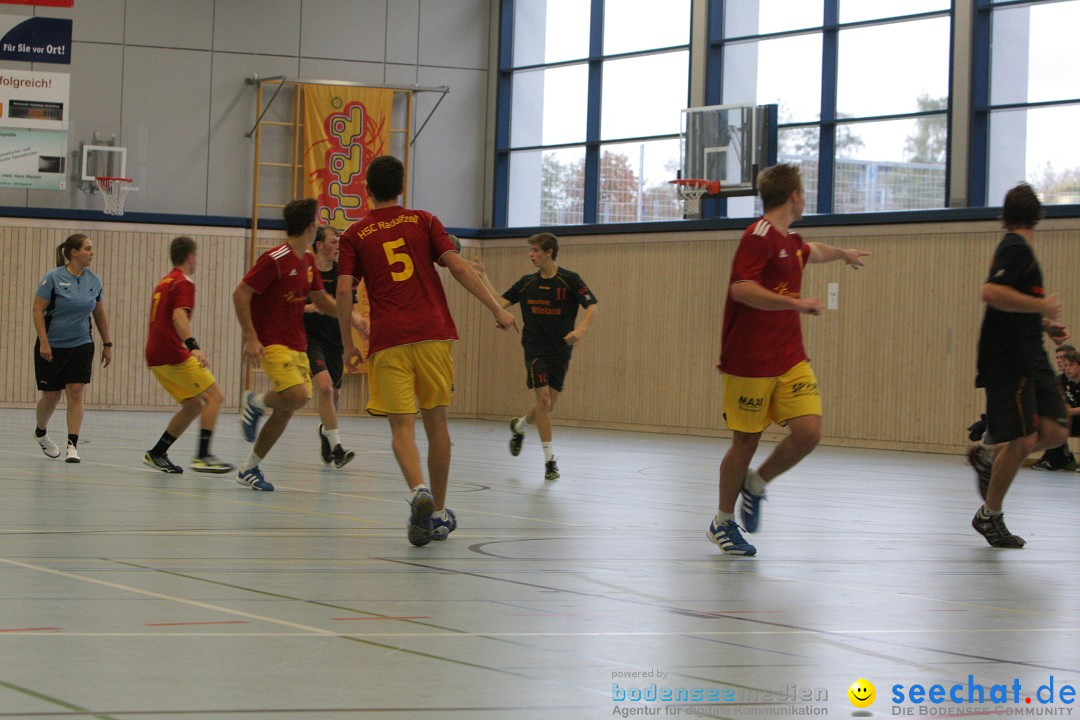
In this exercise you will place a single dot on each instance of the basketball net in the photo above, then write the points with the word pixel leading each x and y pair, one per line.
pixel 114 190
pixel 691 191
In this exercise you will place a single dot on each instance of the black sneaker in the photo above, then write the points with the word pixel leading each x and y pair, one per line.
pixel 992 527
pixel 162 463
pixel 342 457
pixel 551 470
pixel 516 439
pixel 1044 465
pixel 324 448
pixel 982 459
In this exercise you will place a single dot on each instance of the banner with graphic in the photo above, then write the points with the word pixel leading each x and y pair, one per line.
pixel 35 39
pixel 32 99
pixel 345 127
pixel 33 159
pixel 51 3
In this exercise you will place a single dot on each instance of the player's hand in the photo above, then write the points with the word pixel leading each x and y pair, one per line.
pixel 476 264
pixel 253 350
pixel 364 328
pixel 312 308
pixel 1058 333
pixel 106 357
pixel 200 356
pixel 505 320
pixel 854 257
pixel 809 306
pixel 574 337
pixel 352 357
pixel 45 351
pixel 1052 307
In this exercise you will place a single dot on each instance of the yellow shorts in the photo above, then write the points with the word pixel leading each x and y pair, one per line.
pixel 286 368
pixel 187 380
pixel 411 377
pixel 751 404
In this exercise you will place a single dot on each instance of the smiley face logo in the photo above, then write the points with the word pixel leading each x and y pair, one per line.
pixel 862 693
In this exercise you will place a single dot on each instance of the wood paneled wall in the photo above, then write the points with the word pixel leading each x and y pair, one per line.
pixel 895 360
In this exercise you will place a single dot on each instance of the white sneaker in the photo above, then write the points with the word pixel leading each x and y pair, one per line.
pixel 48 446
pixel 72 454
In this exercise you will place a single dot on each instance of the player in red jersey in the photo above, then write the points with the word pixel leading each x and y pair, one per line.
pixel 395 250
pixel 270 303
pixel 767 376
pixel 180 365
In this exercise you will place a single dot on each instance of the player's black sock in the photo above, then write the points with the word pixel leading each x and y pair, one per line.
pixel 204 442
pixel 163 444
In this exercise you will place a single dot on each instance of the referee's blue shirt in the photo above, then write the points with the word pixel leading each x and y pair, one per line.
pixel 71 301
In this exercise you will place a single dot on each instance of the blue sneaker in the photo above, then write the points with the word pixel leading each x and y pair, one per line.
pixel 254 479
pixel 441 528
pixel 727 536
pixel 249 418
pixel 420 528
pixel 750 509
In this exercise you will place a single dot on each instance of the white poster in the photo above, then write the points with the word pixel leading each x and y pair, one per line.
pixel 32 99
pixel 33 159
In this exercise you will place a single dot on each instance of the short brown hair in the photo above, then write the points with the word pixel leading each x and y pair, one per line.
pixel 546 241
pixel 1073 357
pixel 1022 208
pixel 321 233
pixel 180 248
pixel 776 183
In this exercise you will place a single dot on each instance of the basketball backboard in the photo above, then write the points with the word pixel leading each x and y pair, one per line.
pixel 728 144
pixel 103 160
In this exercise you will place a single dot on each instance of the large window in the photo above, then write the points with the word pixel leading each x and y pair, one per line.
pixel 1028 111
pixel 862 88
pixel 590 94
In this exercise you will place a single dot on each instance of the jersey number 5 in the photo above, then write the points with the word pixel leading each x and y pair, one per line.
pixel 394 258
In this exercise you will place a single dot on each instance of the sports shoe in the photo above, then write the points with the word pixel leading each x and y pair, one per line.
pixel 72 454
pixel 210 464
pixel 342 457
pixel 727 537
pixel 254 479
pixel 421 507
pixel 325 450
pixel 551 470
pixel 516 439
pixel 441 528
pixel 992 527
pixel 750 509
pixel 249 418
pixel 1044 465
pixel 47 446
pixel 162 463
pixel 982 459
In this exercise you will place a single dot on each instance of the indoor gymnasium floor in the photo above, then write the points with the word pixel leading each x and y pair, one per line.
pixel 127 593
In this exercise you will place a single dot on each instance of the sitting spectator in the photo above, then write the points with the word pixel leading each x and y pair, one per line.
pixel 1061 458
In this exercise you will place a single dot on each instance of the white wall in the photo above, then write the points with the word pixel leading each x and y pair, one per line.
pixel 167 77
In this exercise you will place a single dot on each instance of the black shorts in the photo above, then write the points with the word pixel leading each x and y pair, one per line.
pixel 1013 409
pixel 546 371
pixel 69 366
pixel 329 359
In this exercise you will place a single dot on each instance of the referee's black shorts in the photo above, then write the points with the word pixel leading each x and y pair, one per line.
pixel 69 366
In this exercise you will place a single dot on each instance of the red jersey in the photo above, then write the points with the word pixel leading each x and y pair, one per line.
pixel 164 346
pixel 764 343
pixel 282 281
pixel 394 251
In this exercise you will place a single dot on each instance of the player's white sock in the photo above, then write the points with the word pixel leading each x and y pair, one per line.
pixel 549 455
pixel 334 436
pixel 988 513
pixel 753 482
pixel 413 491
pixel 259 401
pixel 722 517
pixel 253 460
pixel 520 424
pixel 439 514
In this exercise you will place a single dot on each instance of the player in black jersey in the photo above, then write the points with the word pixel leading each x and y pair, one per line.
pixel 549 299
pixel 325 351
pixel 1025 410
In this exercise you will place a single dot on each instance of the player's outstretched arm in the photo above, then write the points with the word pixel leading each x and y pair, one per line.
pixel 468 279
pixel 822 253
pixel 478 267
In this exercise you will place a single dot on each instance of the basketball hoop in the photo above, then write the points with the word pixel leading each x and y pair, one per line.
pixel 114 190
pixel 690 192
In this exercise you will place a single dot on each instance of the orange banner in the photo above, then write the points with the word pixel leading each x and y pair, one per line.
pixel 345 127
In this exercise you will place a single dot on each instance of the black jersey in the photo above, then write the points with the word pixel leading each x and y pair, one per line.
pixel 549 307
pixel 1011 343
pixel 323 330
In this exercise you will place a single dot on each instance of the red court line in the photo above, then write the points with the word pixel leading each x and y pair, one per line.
pixel 12 630
pixel 219 622
pixel 402 617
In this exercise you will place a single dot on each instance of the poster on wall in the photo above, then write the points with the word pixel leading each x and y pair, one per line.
pixel 35 39
pixel 33 159
pixel 50 3
pixel 34 100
